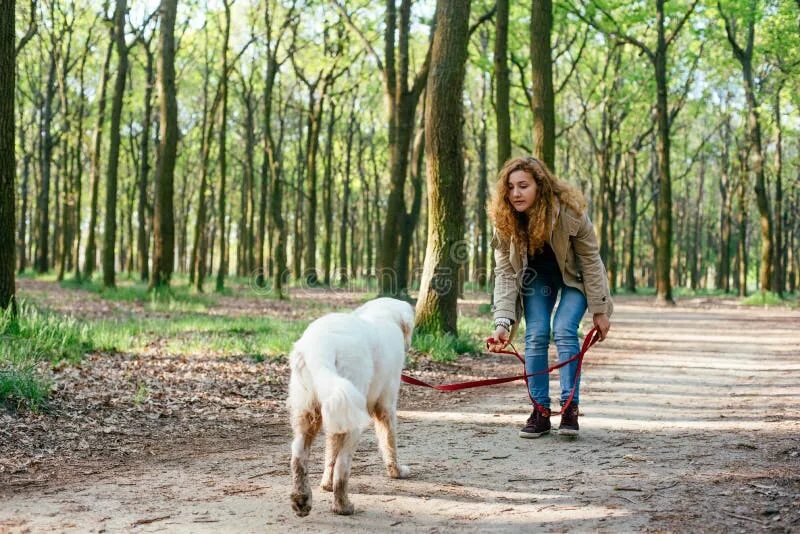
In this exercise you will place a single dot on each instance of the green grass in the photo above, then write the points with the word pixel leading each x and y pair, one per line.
pixel 472 331
pixel 768 298
pixel 26 342
pixel 177 298
pixel 255 337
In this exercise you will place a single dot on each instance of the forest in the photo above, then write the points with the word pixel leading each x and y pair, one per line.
pixel 186 185
pixel 286 140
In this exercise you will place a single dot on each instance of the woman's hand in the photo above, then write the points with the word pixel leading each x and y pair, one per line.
pixel 602 323
pixel 501 339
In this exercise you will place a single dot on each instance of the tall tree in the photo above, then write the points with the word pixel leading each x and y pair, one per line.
pixel 42 261
pixel 90 257
pixel 436 307
pixel 142 238
pixel 163 219
pixel 223 162
pixel 401 103
pixel 744 55
pixel 271 169
pixel 502 85
pixel 110 231
pixel 664 119
pixel 543 102
pixel 8 163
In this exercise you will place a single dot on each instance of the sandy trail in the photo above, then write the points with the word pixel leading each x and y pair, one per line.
pixel 691 421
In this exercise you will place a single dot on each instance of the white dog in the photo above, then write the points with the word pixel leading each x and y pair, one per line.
pixel 345 368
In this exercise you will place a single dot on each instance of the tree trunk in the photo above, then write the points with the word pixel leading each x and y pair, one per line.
pixel 299 200
pixel 163 217
pixel 276 214
pixel 42 262
pixel 724 262
pixel 502 84
pixel 110 230
pixel 543 101
pixel 664 225
pixel 222 273
pixel 742 224
pixel 630 234
pixel 351 126
pixel 401 100
pixel 696 250
pixel 144 169
pixel 779 275
pixel 481 238
pixel 327 198
pixel 8 43
pixel 412 217
pixel 437 304
pixel 23 214
pixel 745 58
pixel 90 258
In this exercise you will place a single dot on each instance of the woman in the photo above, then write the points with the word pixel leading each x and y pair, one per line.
pixel 545 246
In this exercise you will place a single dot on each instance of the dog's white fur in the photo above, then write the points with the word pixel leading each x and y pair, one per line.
pixel 345 369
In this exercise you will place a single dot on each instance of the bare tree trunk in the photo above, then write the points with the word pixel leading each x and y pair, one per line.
pixel 163 219
pixel 222 273
pixel 745 58
pixel 412 217
pixel 8 165
pixel 502 83
pixel 110 230
pixel 726 200
pixel 543 101
pixel 299 201
pixel 351 126
pixel 664 234
pixel 144 169
pixel 42 262
pixel 741 246
pixel 281 274
pixel 481 239
pixel 436 307
pixel 696 250
pixel 90 259
pixel 779 274
pixel 327 198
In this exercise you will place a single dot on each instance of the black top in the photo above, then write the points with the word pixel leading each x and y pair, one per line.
pixel 544 262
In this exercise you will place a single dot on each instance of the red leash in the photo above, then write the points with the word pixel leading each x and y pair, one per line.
pixel 591 338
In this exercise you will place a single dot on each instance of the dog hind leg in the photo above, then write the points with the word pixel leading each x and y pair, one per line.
pixel 341 473
pixel 333 445
pixel 306 426
pixel 385 429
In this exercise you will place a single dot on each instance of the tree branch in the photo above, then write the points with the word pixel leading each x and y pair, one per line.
pixel 483 18
pixel 349 20
pixel 30 32
pixel 680 24
pixel 616 32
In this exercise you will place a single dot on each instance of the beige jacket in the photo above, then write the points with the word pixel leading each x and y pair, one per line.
pixel 575 246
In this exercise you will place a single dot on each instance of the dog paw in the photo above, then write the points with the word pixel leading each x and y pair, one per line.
pixel 401 471
pixel 326 485
pixel 301 503
pixel 343 509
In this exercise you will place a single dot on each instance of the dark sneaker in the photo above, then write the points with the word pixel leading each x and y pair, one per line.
pixel 538 425
pixel 569 421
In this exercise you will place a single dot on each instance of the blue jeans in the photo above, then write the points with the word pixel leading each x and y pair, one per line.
pixel 539 298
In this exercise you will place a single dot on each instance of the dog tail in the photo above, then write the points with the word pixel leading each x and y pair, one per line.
pixel 343 407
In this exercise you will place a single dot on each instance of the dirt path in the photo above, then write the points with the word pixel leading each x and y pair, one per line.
pixel 691 421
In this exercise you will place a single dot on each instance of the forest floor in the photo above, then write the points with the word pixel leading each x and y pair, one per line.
pixel 690 422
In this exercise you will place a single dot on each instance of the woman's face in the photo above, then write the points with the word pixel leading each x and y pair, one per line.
pixel 521 190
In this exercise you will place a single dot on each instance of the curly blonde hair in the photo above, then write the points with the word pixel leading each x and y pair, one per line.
pixel 534 225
